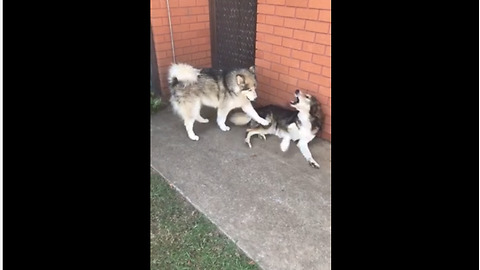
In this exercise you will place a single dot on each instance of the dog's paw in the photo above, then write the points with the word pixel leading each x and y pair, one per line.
pixel 262 137
pixel 247 141
pixel 264 122
pixel 225 128
pixel 313 163
pixel 194 137
pixel 203 121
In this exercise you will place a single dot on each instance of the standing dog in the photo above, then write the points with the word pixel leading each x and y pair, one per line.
pixel 225 90
pixel 301 125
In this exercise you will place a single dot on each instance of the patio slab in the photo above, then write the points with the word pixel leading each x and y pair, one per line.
pixel 272 204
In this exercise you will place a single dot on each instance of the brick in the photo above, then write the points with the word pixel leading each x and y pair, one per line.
pixel 199 41
pixel 287 95
pixel 261 18
pixel 182 43
pixel 328 51
pixel 188 19
pixel 272 57
pixel 292 43
pixel 330 101
pixel 264 28
pixel 322 99
pixel 265 9
pixel 288 79
pixel 290 62
pixel 307 85
pixel 262 63
pixel 279 68
pixel 278 84
pixel 203 33
pixel 326 136
pixel 187 35
pixel 320 4
pixel 275 2
pixel 307 66
pixel 160 30
pixel 197 26
pixel 301 55
pixel 187 3
pixel 272 39
pixel 199 55
pixel 322 60
pixel 163 46
pixel 305 13
pixel 326 71
pixel 155 4
pixel 325 91
pixel 321 27
pixel 179 28
pixel 313 48
pixel 284 32
pixel 304 35
pixel 203 18
pixel 296 73
pixel 173 3
pixel 297 3
pixel 327 128
pixel 321 80
pixel 178 11
pixel 263 46
pixel 323 39
pixel 327 110
pixel 197 10
pixel 285 11
pixel 281 50
pixel 294 23
pixel 274 20
pixel 202 2
pixel 270 74
pixel 156 22
pixel 157 13
pixel 328 120
pixel 325 16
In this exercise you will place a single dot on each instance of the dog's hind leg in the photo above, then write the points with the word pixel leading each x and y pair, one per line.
pixel 250 132
pixel 303 145
pixel 190 112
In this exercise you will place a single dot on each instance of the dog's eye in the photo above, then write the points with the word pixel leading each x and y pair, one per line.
pixel 308 96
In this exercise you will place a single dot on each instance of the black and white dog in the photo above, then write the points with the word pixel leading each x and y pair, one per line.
pixel 300 126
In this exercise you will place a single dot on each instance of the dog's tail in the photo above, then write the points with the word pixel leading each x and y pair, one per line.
pixel 239 118
pixel 183 73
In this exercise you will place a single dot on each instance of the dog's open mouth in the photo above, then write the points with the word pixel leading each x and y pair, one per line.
pixel 293 102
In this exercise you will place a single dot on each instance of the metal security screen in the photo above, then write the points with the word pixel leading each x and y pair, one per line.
pixel 233 28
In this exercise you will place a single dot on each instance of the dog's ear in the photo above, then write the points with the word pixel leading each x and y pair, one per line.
pixel 240 79
pixel 252 69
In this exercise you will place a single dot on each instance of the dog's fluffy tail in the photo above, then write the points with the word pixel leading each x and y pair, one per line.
pixel 239 118
pixel 184 73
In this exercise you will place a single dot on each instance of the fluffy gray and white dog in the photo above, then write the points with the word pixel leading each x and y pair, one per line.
pixel 300 125
pixel 225 90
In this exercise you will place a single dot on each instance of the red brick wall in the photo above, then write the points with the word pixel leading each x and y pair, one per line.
pixel 191 34
pixel 293 50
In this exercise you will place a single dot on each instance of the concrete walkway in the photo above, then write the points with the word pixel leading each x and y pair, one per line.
pixel 272 204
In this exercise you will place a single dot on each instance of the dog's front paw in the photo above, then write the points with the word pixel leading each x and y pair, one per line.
pixel 224 128
pixel 262 137
pixel 264 122
pixel 313 163
pixel 194 137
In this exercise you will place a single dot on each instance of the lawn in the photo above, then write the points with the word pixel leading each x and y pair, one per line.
pixel 183 238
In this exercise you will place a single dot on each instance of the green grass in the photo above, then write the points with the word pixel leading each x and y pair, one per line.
pixel 182 238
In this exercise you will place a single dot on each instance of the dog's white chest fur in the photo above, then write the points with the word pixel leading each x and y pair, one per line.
pixel 304 131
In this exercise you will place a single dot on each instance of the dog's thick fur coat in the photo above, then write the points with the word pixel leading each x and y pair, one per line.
pixel 225 90
pixel 300 126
